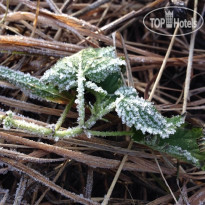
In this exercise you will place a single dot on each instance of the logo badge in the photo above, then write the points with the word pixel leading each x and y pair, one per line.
pixel 163 20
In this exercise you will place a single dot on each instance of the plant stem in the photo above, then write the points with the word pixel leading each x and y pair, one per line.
pixel 80 97
pixel 29 127
pixel 114 133
pixel 64 114
pixel 90 122
pixel 70 132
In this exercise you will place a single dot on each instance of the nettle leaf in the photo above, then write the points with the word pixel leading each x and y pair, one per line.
pixel 97 64
pixel 112 83
pixel 182 144
pixel 102 67
pixel 63 74
pixel 32 86
pixel 137 112
pixel 95 88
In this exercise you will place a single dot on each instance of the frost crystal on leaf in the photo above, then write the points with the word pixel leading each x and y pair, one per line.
pixel 88 134
pixel 126 92
pixel 181 152
pixel 63 73
pixel 99 63
pixel 80 101
pixel 7 122
pixel 137 112
pixel 30 85
pixel 102 67
pixel 96 63
pixel 92 86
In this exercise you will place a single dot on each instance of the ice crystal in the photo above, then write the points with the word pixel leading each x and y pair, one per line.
pixel 92 86
pixel 126 92
pixel 56 139
pixel 80 101
pixel 7 122
pixel 181 152
pixel 137 112
pixel 88 134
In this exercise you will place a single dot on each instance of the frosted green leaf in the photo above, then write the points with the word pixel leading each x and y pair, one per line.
pixel 182 144
pixel 102 63
pixel 126 92
pixel 137 112
pixel 102 67
pixel 94 88
pixel 63 74
pixel 112 83
pixel 97 64
pixel 32 86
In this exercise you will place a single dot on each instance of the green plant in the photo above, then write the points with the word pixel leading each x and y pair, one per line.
pixel 95 71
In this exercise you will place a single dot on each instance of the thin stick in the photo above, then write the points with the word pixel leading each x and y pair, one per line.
pixel 129 70
pixel 90 7
pixel 7 9
pixel 166 181
pixel 164 63
pixel 36 18
pixel 53 6
pixel 189 65
pixel 54 180
pixel 107 197
pixel 89 183
pixel 132 14
pixel 64 114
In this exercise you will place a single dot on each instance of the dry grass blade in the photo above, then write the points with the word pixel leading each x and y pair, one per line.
pixel 77 27
pixel 40 178
pixel 36 19
pixel 5 196
pixel 119 170
pixel 26 158
pixel 28 45
pixel 80 157
pixel 33 108
pixel 20 190
pixel 89 183
pixel 108 195
pixel 33 36
pixel 163 64
pixel 198 197
pixel 189 65
pixel 90 7
pixel 166 182
pixel 55 179
pixel 131 15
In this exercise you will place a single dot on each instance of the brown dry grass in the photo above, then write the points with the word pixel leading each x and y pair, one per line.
pixel 41 171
